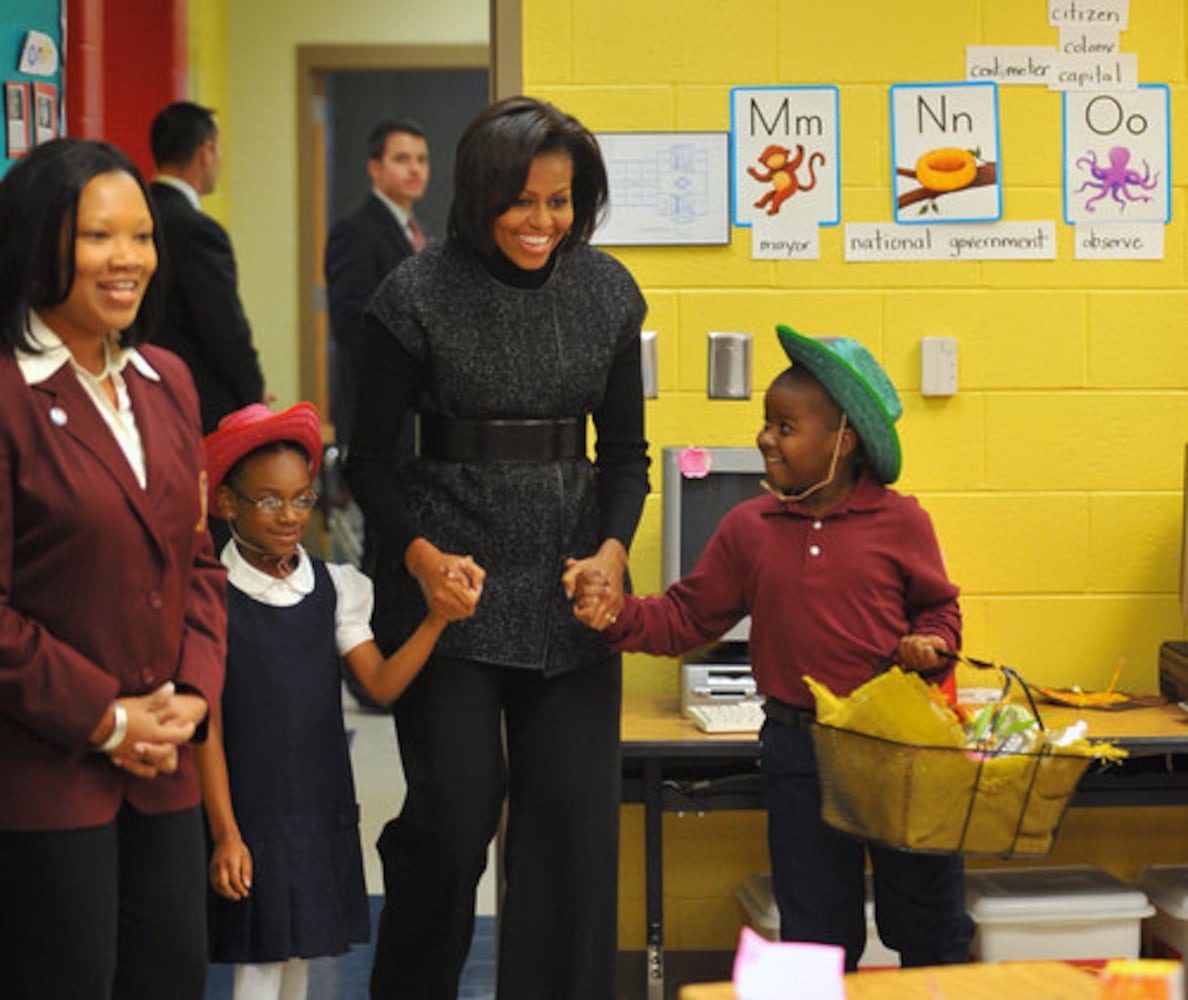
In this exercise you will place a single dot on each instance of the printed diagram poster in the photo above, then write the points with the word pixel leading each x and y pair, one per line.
pixel 666 188
pixel 1117 155
pixel 786 143
pixel 944 152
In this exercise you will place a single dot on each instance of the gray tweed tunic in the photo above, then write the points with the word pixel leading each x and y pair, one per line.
pixel 488 350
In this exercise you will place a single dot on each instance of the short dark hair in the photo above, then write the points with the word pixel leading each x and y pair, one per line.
pixel 492 163
pixel 377 138
pixel 39 205
pixel 234 475
pixel 828 408
pixel 179 130
pixel 797 377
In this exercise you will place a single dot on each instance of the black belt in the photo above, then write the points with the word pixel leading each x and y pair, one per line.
pixel 448 440
pixel 787 715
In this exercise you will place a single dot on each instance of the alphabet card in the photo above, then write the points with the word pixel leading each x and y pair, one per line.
pixel 785 146
pixel 945 152
pixel 1117 155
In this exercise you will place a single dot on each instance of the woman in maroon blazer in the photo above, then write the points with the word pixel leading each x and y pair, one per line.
pixel 112 612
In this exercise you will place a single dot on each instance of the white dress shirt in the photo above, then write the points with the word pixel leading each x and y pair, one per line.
pixel 120 418
pixel 352 614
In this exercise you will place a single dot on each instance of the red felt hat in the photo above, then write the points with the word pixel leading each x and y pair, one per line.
pixel 247 429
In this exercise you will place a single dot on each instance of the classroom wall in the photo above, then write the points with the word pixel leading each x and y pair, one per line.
pixel 17 18
pixel 244 63
pixel 1054 476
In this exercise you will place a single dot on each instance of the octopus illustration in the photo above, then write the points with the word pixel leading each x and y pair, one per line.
pixel 1117 180
pixel 781 174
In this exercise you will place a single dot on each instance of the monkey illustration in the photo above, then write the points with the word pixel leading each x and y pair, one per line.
pixel 781 174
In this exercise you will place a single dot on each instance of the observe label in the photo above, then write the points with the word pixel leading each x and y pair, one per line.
pixel 1119 241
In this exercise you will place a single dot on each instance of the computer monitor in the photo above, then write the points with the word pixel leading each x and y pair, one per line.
pixel 692 507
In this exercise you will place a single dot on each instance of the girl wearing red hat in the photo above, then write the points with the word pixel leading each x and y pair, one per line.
pixel 286 867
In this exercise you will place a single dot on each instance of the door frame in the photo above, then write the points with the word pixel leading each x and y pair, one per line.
pixel 313 63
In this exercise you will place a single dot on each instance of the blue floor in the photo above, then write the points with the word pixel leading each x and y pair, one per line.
pixel 345 977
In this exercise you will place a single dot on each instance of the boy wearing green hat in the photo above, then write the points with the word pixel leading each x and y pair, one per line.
pixel 839 574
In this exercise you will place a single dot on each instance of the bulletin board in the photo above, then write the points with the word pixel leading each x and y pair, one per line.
pixel 33 95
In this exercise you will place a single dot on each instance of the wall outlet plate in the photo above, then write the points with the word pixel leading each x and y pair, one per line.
pixel 938 366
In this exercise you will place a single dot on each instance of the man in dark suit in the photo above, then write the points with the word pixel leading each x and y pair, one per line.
pixel 204 321
pixel 365 245
pixel 360 251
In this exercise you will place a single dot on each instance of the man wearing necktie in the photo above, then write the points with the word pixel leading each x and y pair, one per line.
pixel 365 245
pixel 362 248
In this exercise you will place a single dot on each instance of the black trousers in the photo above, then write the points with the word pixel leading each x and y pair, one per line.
pixel 561 778
pixel 818 874
pixel 116 912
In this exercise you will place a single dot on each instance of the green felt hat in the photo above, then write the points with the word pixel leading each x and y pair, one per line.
pixel 857 383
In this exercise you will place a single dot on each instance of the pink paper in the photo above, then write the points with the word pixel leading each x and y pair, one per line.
pixel 765 970
pixel 695 463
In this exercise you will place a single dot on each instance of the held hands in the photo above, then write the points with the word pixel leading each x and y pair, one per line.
pixel 923 653
pixel 158 723
pixel 231 868
pixel 451 584
pixel 595 585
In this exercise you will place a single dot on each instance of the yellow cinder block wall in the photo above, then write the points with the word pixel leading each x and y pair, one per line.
pixel 1054 476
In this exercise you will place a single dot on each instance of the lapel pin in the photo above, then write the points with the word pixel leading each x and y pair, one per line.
pixel 58 416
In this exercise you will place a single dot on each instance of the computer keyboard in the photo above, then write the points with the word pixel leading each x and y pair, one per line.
pixel 727 716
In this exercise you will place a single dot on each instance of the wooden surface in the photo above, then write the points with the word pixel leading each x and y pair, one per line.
pixel 655 718
pixel 650 718
pixel 1160 722
pixel 1008 981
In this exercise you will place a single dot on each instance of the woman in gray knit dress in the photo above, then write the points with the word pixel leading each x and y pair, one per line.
pixel 505 341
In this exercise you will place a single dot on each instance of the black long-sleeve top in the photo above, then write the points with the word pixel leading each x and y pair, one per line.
pixel 449 336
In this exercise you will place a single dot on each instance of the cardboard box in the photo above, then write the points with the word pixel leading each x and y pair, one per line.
pixel 1075 913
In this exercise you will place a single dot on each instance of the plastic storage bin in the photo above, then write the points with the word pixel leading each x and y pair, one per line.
pixel 1165 933
pixel 1075 913
pixel 764 916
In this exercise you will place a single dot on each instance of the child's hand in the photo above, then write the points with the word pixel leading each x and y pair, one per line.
pixel 591 591
pixel 231 868
pixel 922 652
pixel 452 584
pixel 468 576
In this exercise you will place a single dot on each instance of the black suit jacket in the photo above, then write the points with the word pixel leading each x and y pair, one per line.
pixel 362 248
pixel 204 321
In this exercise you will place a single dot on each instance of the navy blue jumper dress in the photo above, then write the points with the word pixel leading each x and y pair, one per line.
pixel 292 788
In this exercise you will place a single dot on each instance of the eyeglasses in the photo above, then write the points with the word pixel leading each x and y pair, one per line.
pixel 273 505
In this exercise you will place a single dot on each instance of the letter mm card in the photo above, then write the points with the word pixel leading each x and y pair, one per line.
pixel 785 145
pixel 1117 155
pixel 945 152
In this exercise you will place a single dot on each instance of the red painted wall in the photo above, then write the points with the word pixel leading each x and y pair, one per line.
pixel 126 59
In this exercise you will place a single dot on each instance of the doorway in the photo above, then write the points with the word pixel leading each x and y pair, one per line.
pixel 342 91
